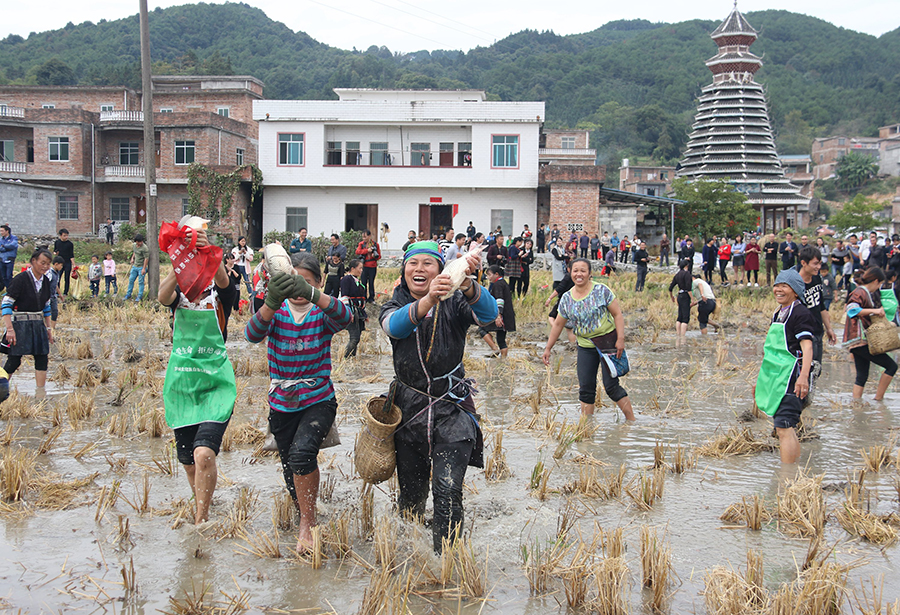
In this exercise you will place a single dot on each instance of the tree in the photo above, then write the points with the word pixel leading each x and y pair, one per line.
pixel 55 72
pixel 712 207
pixel 858 215
pixel 854 169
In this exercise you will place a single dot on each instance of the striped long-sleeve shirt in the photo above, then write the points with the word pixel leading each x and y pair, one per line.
pixel 299 354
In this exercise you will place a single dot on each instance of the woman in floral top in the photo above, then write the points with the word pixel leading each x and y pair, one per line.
pixel 599 327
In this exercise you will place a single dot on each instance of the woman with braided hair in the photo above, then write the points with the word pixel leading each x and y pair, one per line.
pixel 426 320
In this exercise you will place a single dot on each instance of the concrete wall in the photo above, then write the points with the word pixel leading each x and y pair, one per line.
pixel 619 219
pixel 399 208
pixel 890 161
pixel 29 210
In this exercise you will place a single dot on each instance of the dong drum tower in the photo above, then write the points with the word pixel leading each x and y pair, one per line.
pixel 732 137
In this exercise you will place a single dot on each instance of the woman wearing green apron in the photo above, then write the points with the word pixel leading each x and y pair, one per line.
pixel 783 380
pixel 199 391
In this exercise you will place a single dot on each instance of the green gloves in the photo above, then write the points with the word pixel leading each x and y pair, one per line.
pixel 281 286
pixel 304 289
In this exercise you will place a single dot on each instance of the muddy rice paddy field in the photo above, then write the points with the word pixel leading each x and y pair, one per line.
pixel 686 511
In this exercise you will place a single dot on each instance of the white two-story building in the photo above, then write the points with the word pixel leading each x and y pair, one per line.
pixel 422 160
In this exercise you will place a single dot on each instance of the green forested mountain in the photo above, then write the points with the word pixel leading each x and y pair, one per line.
pixel 633 83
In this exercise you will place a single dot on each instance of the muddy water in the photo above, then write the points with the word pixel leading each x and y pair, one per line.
pixel 66 559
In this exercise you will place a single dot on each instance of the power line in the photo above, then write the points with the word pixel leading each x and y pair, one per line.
pixel 493 36
pixel 444 45
pixel 433 21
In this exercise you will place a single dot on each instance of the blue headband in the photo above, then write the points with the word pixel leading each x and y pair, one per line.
pixel 429 248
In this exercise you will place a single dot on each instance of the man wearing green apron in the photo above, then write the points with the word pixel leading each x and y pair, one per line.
pixel 199 391
pixel 783 380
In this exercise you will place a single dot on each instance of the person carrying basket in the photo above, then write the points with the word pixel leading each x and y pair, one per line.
pixel 426 320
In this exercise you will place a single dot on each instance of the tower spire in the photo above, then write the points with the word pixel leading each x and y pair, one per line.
pixel 731 136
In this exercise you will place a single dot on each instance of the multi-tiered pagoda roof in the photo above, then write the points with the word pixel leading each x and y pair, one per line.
pixel 732 136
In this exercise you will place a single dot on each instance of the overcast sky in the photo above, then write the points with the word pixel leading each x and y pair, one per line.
pixel 411 25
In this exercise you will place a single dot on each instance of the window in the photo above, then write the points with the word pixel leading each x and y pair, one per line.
pixel 464 154
pixel 129 153
pixel 59 151
pixel 239 156
pixel 353 155
pixel 333 152
pixel 842 141
pixel 378 154
pixel 638 174
pixel 502 218
pixel 167 110
pixel 290 149
pixel 821 157
pixel 295 219
pixel 446 155
pixel 6 151
pixel 568 142
pixel 506 151
pixel 185 206
pixel 48 106
pixel 67 207
pixel 119 208
pixel 420 154
pixel 184 152
pixel 29 148
pixel 223 111
pixel 107 107
pixel 664 175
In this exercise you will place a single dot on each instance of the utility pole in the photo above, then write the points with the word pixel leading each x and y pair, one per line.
pixel 149 156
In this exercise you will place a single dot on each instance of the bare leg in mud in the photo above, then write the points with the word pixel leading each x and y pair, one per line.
pixel 624 405
pixel 883 383
pixel 307 487
pixel 790 444
pixel 202 477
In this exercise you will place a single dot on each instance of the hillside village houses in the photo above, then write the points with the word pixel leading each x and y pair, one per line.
pixel 421 160
pixel 88 142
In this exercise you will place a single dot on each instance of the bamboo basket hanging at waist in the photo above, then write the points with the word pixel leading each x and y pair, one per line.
pixel 882 335
pixel 374 453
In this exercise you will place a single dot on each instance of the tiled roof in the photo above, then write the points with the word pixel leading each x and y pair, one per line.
pixel 734 24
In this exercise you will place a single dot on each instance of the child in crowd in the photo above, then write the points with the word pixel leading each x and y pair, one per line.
pixel 847 274
pixel 334 272
pixel 109 273
pixel 300 321
pixel 56 269
pixel 784 379
pixel 827 286
pixel 506 314
pixel 260 283
pixel 95 273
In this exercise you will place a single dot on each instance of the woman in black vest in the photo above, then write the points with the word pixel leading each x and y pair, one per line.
pixel 26 316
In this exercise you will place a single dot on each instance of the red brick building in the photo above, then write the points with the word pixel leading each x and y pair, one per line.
pixel 89 141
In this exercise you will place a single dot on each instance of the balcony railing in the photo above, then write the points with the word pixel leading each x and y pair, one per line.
pixel 398 158
pixel 7 111
pixel 561 151
pixel 123 171
pixel 13 167
pixel 121 116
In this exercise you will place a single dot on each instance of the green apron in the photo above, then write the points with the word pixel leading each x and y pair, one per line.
pixel 199 383
pixel 775 372
pixel 889 303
